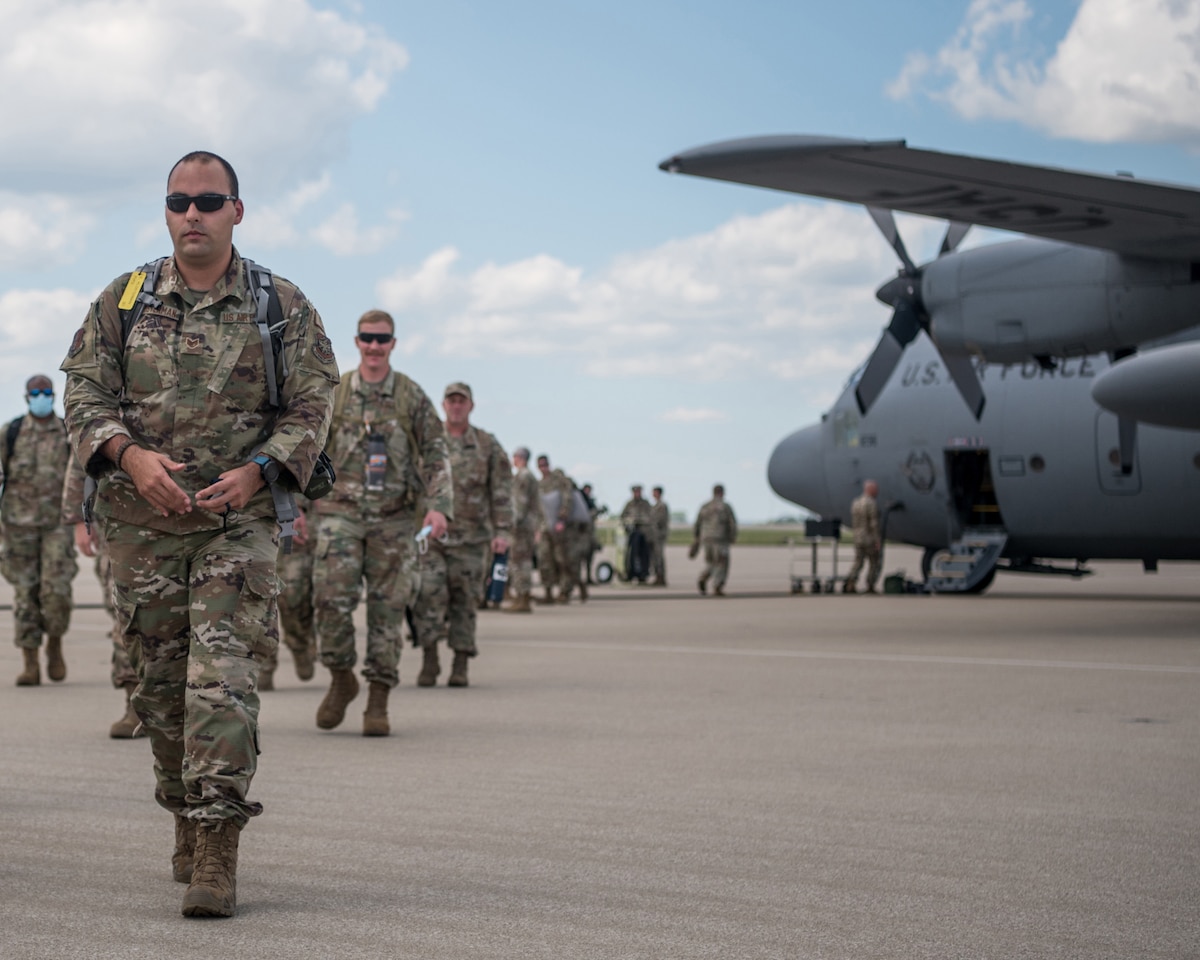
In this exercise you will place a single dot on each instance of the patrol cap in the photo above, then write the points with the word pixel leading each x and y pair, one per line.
pixel 459 388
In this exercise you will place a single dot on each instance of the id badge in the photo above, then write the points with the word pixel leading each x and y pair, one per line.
pixel 377 460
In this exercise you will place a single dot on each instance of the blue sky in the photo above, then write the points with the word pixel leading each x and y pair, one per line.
pixel 488 173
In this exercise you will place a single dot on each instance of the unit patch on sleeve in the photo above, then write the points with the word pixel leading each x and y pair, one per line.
pixel 323 349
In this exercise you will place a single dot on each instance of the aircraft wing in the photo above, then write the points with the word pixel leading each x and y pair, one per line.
pixel 1134 217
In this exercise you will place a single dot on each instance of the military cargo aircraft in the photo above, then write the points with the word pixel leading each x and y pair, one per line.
pixel 1075 352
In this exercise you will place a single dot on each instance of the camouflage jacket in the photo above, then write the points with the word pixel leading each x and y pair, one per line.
pixel 482 474
pixel 190 383
pixel 556 482
pixel 660 516
pixel 415 480
pixel 716 523
pixel 527 504
pixel 864 515
pixel 33 475
pixel 635 515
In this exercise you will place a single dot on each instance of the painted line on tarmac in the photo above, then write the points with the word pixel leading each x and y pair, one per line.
pixel 864 657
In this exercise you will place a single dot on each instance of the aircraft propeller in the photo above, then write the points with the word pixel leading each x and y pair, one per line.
pixel 909 317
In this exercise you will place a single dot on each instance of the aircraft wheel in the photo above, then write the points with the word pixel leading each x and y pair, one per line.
pixel 927 561
pixel 604 572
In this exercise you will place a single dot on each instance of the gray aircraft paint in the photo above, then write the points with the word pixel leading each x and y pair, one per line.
pixel 1077 506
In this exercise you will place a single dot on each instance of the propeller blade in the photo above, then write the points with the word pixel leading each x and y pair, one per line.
pixel 904 326
pixel 955 231
pixel 1127 443
pixel 887 226
pixel 962 372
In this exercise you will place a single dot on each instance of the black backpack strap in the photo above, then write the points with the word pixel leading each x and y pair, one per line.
pixel 10 438
pixel 129 317
pixel 10 444
pixel 270 322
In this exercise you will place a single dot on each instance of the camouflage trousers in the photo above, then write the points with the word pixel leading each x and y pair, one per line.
pixel 658 558
pixel 873 557
pixel 122 671
pixel 576 545
pixel 449 595
pixel 198 614
pixel 40 564
pixel 296 612
pixel 520 566
pixel 549 566
pixel 376 551
pixel 716 562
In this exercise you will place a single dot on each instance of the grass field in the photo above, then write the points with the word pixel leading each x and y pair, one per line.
pixel 764 535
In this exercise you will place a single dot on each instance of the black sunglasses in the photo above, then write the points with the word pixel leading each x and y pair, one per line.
pixel 41 392
pixel 375 337
pixel 205 202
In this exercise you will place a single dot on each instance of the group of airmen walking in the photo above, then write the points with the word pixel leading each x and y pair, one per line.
pixel 206 422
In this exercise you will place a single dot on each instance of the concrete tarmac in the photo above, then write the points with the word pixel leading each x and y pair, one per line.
pixel 659 775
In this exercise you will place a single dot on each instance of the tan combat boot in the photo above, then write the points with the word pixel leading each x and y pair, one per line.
pixel 127 727
pixel 458 673
pixel 184 857
pixel 212 891
pixel 31 676
pixel 430 667
pixel 375 719
pixel 519 604
pixel 56 667
pixel 304 663
pixel 342 689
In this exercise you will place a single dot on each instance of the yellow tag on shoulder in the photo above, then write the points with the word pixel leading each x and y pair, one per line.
pixel 132 289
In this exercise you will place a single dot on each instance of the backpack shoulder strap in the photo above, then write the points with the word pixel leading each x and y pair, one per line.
pixel 271 321
pixel 133 301
pixel 10 438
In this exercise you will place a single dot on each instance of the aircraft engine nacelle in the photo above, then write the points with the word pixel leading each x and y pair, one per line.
pixel 1030 298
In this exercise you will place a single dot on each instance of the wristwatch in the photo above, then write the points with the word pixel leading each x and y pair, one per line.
pixel 268 468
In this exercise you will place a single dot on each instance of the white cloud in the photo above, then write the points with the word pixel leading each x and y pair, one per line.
pixel 429 283
pixel 341 233
pixel 1127 70
pixel 693 415
pixel 40 229
pixel 108 88
pixel 785 295
pixel 36 327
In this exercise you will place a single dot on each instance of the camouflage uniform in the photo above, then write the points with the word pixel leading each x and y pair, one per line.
pixel 660 520
pixel 527 518
pixel 367 536
pixel 296 594
pixel 864 514
pixel 637 517
pixel 37 550
pixel 122 671
pixel 451 572
pixel 195 592
pixel 716 528
pixel 553 566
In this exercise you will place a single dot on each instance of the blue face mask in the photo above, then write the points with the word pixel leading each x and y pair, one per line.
pixel 42 405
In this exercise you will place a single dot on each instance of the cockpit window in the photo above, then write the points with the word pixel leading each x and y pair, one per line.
pixel 845 428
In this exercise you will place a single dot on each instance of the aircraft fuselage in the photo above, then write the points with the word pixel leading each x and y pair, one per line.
pixel 1045 450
